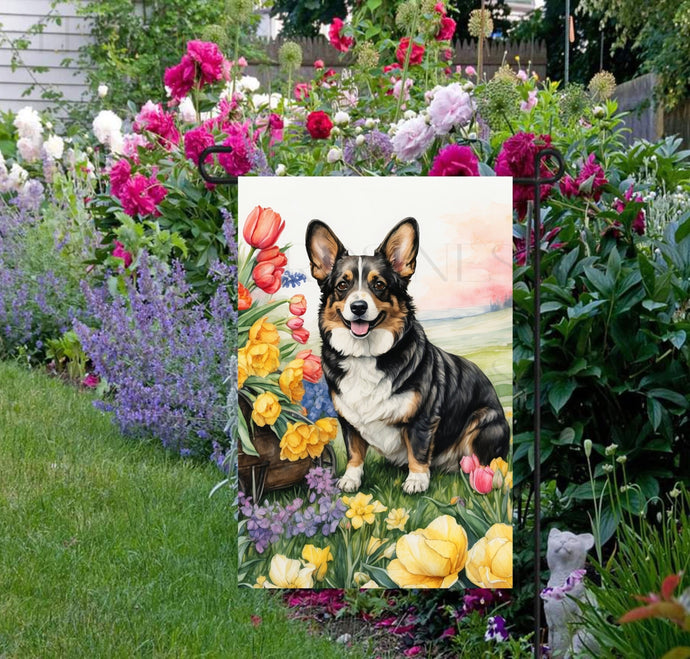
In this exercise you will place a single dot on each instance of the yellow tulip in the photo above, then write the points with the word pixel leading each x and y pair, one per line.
pixel 264 332
pixel 397 518
pixel 430 557
pixel 374 544
pixel 266 409
pixel 360 510
pixel 288 573
pixel 262 358
pixel 242 369
pixel 299 441
pixel 490 561
pixel 328 427
pixel 318 558
pixel 291 381
pixel 499 464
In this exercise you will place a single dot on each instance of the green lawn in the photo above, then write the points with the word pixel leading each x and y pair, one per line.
pixel 110 548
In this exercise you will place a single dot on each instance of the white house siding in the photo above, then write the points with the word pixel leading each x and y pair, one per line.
pixel 55 44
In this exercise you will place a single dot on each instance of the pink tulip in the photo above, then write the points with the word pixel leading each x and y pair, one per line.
pixel 482 480
pixel 294 322
pixel 469 463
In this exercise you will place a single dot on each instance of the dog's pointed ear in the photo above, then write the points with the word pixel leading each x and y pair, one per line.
pixel 323 248
pixel 400 247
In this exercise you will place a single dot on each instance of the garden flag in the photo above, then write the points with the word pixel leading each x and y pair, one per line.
pixel 375 382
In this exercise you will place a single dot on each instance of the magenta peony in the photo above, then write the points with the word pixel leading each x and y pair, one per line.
pixel 153 118
pixel 446 30
pixel 195 141
pixel 120 173
pixel 141 195
pixel 209 60
pixel 238 162
pixel 455 160
pixel 335 36
pixel 180 78
pixel 589 183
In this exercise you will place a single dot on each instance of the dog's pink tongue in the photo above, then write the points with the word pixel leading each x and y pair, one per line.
pixel 359 327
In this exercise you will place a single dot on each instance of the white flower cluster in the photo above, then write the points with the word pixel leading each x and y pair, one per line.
pixel 107 127
pixel 14 179
pixel 29 127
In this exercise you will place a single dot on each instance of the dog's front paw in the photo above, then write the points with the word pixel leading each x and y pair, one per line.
pixel 416 482
pixel 351 480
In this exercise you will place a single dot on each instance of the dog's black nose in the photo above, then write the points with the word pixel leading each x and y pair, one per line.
pixel 358 307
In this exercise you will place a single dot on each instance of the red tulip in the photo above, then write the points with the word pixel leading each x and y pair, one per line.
pixel 311 371
pixel 267 277
pixel 262 227
pixel 298 305
pixel 482 479
pixel 244 300
pixel 301 335
pixel 294 322
pixel 272 255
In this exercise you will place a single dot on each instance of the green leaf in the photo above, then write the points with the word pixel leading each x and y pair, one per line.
pixel 245 440
pixel 560 393
pixel 654 412
pixel 671 396
pixel 603 283
pixel 380 576
pixel 683 230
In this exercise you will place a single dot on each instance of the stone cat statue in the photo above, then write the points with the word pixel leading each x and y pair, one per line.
pixel 566 555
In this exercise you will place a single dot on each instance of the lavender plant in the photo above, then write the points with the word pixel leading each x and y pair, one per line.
pixel 165 355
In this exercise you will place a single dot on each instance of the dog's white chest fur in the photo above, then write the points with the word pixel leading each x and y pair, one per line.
pixel 367 402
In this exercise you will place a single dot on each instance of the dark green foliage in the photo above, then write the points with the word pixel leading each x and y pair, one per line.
pixel 499 13
pixel 548 24
pixel 303 18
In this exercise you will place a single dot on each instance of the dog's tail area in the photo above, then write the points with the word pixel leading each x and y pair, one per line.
pixel 487 434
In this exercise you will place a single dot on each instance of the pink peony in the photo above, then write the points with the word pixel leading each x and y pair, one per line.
pixel 301 91
pixel 450 107
pixel 154 119
pixel 638 225
pixel 209 60
pixel 239 162
pixel 516 159
pixel 121 253
pixel 589 183
pixel 412 138
pixel 469 463
pixel 180 78
pixel 482 479
pixel 470 71
pixel 446 30
pixel 335 36
pixel 318 64
pixel 276 125
pixel 455 160
pixel 120 173
pixel 141 195
pixel 439 8
pixel 131 143
pixel 195 141
pixel 531 101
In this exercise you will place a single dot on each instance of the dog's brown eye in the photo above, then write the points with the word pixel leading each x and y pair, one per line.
pixel 342 285
pixel 379 285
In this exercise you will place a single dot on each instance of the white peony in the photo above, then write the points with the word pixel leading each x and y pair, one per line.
pixel 249 84
pixel 28 123
pixel 281 170
pixel 334 155
pixel 17 177
pixel 359 140
pixel 102 90
pixel 29 148
pixel 341 118
pixel 105 125
pixel 54 147
pixel 187 110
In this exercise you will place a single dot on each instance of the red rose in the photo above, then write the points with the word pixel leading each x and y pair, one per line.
pixel 262 227
pixel 337 39
pixel 416 55
pixel 319 125
pixel 455 160
pixel 446 30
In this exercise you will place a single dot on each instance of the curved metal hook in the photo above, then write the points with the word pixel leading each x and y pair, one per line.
pixel 227 180
pixel 538 157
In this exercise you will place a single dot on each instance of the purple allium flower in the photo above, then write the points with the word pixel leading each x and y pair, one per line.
pixel 375 147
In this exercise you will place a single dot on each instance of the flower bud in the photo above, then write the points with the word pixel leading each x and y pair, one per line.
pixel 281 170
pixel 359 140
pixel 588 447
pixel 102 90
pixel 334 155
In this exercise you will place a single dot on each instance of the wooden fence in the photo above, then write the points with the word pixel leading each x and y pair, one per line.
pixel 464 53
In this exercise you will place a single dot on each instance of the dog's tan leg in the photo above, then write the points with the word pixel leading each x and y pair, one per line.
pixel 356 450
pixel 418 477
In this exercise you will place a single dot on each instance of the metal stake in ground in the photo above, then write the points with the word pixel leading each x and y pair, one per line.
pixel 217 180
pixel 537 181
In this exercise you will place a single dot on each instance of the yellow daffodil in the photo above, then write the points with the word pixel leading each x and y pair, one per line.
pixel 260 582
pixel 373 544
pixel 266 409
pixel 490 561
pixel 360 510
pixel 508 481
pixel 242 370
pixel 291 381
pixel 262 358
pixel 264 332
pixel 288 573
pixel 430 557
pixel 397 518
pixel 318 558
